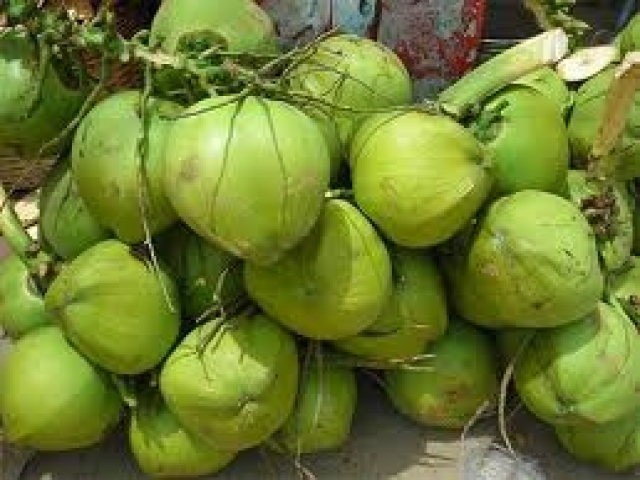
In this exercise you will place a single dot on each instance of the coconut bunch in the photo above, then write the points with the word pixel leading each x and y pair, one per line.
pixel 220 253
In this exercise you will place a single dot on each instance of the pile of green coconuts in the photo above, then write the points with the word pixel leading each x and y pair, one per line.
pixel 214 266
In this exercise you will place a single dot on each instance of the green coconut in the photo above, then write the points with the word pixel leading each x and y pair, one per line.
pixel 415 314
pixel 233 384
pixel 547 81
pixel 349 75
pixel 207 276
pixel 526 139
pixel 448 389
pixel 21 303
pixel 66 225
pixel 112 178
pixel 557 381
pixel 334 284
pixel 248 175
pixel 164 449
pixel 419 177
pixel 116 308
pixel 32 113
pixel 616 250
pixel 624 289
pixel 52 398
pixel 628 40
pixel 585 120
pixel 531 262
pixel 614 446
pixel 321 419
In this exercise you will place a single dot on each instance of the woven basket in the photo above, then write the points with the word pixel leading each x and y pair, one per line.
pixel 18 173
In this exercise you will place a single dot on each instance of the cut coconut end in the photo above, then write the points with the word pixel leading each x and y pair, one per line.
pixel 586 63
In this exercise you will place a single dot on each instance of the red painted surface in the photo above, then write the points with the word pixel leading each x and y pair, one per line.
pixel 437 39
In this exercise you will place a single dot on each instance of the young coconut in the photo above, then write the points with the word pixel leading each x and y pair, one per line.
pixel 628 40
pixel 117 185
pixel 613 223
pixel 614 446
pixel 164 449
pixel 66 226
pixel 52 398
pixel 624 289
pixel 233 383
pixel 207 276
pixel 546 81
pixel 584 373
pixel 531 262
pixel 247 174
pixel 326 403
pixel 419 177
pixel 32 112
pixel 450 388
pixel 586 118
pixel 334 284
pixel 116 308
pixel 526 139
pixel 21 303
pixel 347 75
pixel 415 314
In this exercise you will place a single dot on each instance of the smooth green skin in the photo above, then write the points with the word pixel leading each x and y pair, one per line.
pixel 624 286
pixel 237 391
pixel 455 383
pixel 628 39
pixel 21 304
pixel 614 446
pixel 547 81
pixel 66 225
pixel 415 314
pixel 532 262
pixel 527 143
pixel 615 252
pixel 354 73
pixel 241 25
pixel 322 417
pixel 584 373
pixel 52 398
pixel 164 449
pixel 106 165
pixel 330 131
pixel 418 176
pixel 585 120
pixel 238 26
pixel 26 122
pixel 113 308
pixel 249 176
pixel 334 284
pixel 198 268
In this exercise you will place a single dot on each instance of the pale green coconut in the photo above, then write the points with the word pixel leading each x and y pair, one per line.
pixel 448 389
pixel 164 449
pixel 585 120
pixel 66 225
pixel 615 250
pixel 614 446
pixel 207 276
pixel 415 314
pixel 531 261
pixel 526 139
pixel 233 385
pixel 584 373
pixel 350 75
pixel 624 288
pixel 52 398
pixel 326 403
pixel 113 179
pixel 334 284
pixel 547 81
pixel 21 303
pixel 419 177
pixel 247 175
pixel 116 309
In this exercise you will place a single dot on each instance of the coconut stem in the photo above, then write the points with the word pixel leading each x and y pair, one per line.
pixel 470 91
pixel 620 99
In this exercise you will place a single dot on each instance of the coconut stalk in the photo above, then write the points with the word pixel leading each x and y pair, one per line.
pixel 464 96
pixel 551 14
